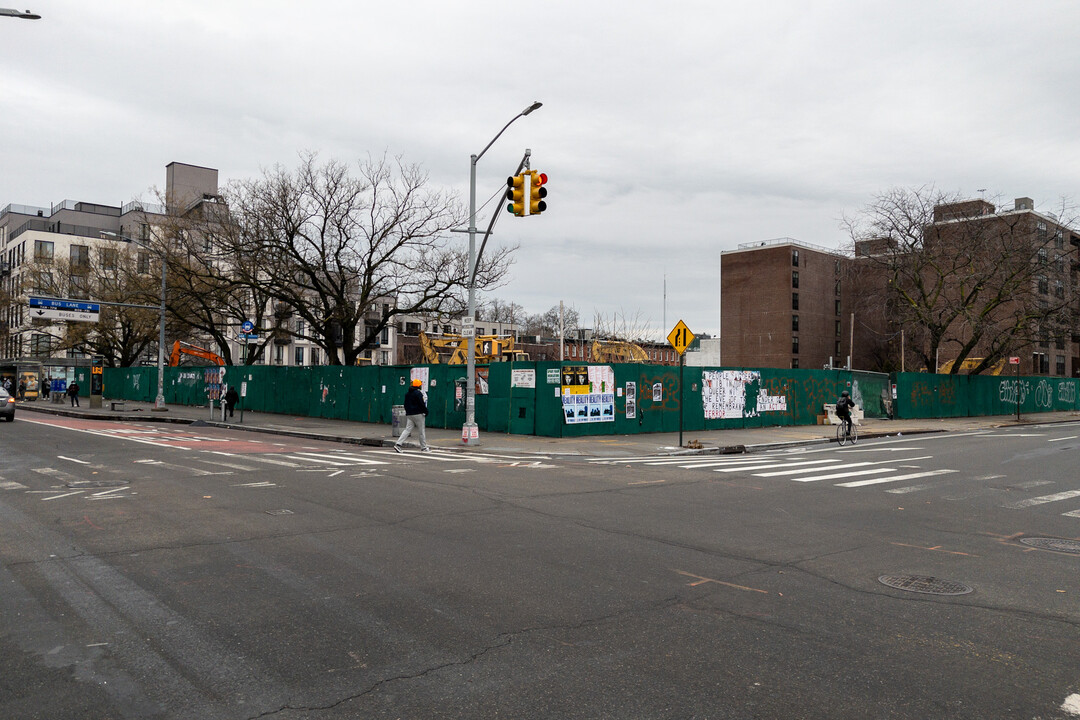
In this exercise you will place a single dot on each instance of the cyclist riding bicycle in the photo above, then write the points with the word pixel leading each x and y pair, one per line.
pixel 843 410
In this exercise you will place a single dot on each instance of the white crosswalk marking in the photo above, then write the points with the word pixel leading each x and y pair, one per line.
pixel 783 465
pixel 325 458
pixel 895 478
pixel 1074 513
pixel 805 470
pixel 838 476
pixel 1042 500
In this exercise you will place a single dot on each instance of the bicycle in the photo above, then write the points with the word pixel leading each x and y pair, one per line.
pixel 846 431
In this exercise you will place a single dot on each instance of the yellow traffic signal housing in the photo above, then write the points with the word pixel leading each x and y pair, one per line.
pixel 537 192
pixel 515 193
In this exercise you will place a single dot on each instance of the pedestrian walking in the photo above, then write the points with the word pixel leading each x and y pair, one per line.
pixel 22 388
pixel 231 398
pixel 73 393
pixel 46 388
pixel 415 413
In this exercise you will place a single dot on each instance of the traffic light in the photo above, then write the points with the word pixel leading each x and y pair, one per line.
pixel 537 192
pixel 515 193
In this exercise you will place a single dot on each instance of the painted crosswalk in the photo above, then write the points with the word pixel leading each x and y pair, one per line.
pixel 848 469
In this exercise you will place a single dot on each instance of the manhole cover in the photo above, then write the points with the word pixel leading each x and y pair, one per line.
pixel 924 584
pixel 1058 544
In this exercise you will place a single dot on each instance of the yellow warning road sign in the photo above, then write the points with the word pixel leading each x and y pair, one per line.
pixel 680 337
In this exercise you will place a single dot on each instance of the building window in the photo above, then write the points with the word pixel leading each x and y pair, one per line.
pixel 80 256
pixel 795 345
pixel 298 356
pixel 1059 240
pixel 837 307
pixel 837 268
pixel 794 363
pixel 837 350
pixel 1040 230
pixel 1059 289
pixel 794 301
pixel 794 278
pixel 837 288
pixel 110 259
pixel 1060 365
pixel 837 328
pixel 795 258
pixel 41 345
pixel 142 263
pixel 1043 256
pixel 315 357
pixel 794 323
pixel 43 251
pixel 1044 285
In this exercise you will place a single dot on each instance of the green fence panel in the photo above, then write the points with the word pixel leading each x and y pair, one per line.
pixel 872 392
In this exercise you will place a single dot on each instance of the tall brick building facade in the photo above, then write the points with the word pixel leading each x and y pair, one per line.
pixel 783 305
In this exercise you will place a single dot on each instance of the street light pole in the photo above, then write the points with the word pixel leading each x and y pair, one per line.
pixel 470 431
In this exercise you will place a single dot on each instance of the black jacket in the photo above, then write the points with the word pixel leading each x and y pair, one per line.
pixel 844 405
pixel 414 402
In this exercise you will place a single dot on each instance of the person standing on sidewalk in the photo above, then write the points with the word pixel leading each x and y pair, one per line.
pixel 415 413
pixel 73 393
pixel 231 398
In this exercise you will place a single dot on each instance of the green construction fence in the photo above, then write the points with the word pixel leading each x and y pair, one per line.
pixel 920 395
pixel 526 398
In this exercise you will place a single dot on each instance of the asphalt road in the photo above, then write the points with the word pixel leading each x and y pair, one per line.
pixel 169 572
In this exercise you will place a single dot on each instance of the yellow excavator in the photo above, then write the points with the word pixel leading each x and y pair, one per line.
pixel 452 349
pixel 970 364
pixel 616 351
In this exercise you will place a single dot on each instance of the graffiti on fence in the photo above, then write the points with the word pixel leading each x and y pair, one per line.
pixel 1012 392
pixel 1066 392
pixel 921 394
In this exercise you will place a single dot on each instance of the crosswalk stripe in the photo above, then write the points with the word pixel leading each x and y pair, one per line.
pixel 1074 513
pixel 353 459
pixel 837 476
pixel 909 489
pixel 804 470
pixel 894 478
pixel 270 461
pixel 1042 500
pixel 785 465
pixel 324 461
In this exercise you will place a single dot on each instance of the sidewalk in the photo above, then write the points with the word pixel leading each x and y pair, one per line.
pixel 711 441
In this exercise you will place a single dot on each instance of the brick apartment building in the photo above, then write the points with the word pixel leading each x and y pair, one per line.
pixel 783 305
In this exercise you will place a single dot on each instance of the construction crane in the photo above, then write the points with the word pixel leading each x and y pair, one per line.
pixel 618 352
pixel 452 349
pixel 182 348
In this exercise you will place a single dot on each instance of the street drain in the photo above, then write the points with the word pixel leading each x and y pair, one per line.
pixel 924 584
pixel 1056 544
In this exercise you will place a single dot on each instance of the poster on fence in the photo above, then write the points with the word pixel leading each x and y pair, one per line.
pixel 588 393
pixel 724 395
pixel 631 400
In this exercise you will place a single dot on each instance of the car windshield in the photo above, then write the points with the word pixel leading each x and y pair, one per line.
pixel 4 393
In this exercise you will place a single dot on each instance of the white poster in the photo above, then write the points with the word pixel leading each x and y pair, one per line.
pixel 723 395
pixel 523 378
pixel 631 400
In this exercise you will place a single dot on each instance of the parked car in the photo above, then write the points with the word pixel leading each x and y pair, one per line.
pixel 7 405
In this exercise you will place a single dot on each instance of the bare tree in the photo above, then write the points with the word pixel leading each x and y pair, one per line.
pixel 345 254
pixel 622 326
pixel 961 277
pixel 547 324
pixel 495 310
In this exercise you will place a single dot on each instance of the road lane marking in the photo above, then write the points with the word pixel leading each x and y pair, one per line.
pixel 11 485
pixel 894 478
pixel 1071 437
pixel 781 465
pixel 909 489
pixel 701 580
pixel 57 497
pixel 1074 513
pixel 1042 500
pixel 839 476
pixel 74 460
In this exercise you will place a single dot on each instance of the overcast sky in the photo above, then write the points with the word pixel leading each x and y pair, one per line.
pixel 670 131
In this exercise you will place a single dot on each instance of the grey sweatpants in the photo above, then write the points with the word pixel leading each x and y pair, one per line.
pixel 412 421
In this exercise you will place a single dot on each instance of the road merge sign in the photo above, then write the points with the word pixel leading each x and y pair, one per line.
pixel 680 337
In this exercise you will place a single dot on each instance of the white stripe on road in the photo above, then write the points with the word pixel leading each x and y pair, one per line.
pixel 1042 500
pixel 1071 437
pixel 838 476
pixel 768 466
pixel 320 460
pixel 804 470
pixel 895 478
pixel 1074 513
pixel 268 461
pixel 909 489
pixel 74 460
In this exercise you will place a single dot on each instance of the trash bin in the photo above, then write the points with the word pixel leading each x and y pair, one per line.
pixel 397 413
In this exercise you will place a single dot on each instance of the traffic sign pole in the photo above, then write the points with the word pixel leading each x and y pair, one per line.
pixel 680 337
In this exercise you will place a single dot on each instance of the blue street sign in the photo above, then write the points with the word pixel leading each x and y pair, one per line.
pixel 247 326
pixel 70 305
pixel 248 336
